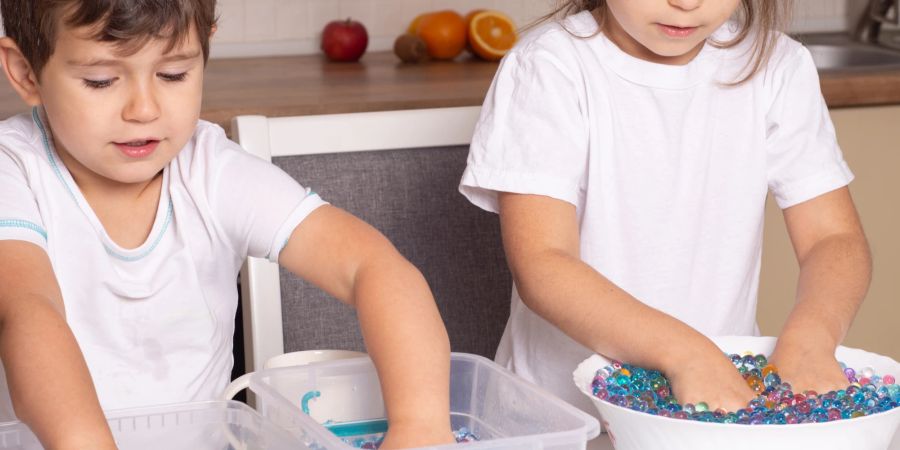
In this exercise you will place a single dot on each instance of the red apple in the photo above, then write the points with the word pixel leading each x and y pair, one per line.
pixel 344 40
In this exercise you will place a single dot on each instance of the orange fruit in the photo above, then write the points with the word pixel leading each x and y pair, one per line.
pixel 444 32
pixel 471 15
pixel 469 18
pixel 415 23
pixel 491 34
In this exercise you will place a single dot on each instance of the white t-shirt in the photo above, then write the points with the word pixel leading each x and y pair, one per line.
pixel 668 169
pixel 155 323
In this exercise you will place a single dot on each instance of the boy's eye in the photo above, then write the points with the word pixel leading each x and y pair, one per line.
pixel 172 76
pixel 98 84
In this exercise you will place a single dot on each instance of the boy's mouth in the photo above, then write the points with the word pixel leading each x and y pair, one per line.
pixel 140 148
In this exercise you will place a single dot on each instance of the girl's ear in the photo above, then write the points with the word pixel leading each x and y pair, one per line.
pixel 19 72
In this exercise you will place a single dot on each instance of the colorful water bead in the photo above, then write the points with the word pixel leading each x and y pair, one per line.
pixel 649 391
pixel 462 435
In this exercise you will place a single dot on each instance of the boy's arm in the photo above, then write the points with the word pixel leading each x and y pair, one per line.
pixel 835 271
pixel 48 380
pixel 541 239
pixel 400 322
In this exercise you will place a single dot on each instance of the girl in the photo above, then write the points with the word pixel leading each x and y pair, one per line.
pixel 629 148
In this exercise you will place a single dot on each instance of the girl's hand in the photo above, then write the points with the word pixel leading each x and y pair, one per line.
pixel 400 436
pixel 808 367
pixel 710 377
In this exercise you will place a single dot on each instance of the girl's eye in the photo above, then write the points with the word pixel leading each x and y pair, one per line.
pixel 98 84
pixel 172 76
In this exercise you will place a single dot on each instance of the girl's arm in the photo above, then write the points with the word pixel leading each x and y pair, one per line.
pixel 49 382
pixel 400 323
pixel 541 238
pixel 835 271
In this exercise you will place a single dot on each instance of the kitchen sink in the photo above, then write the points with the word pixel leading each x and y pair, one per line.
pixel 837 52
pixel 853 56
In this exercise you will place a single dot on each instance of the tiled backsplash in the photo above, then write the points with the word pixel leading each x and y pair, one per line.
pixel 280 27
pixel 251 27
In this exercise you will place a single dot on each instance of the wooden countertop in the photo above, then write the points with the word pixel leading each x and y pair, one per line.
pixel 299 85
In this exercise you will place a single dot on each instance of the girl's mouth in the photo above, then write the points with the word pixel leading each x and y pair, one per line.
pixel 676 32
pixel 138 148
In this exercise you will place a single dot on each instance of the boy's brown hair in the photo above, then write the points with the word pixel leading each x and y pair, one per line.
pixel 33 24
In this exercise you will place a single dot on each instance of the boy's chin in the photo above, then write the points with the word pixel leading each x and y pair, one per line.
pixel 132 177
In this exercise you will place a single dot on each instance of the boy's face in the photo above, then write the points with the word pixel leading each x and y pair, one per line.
pixel 120 118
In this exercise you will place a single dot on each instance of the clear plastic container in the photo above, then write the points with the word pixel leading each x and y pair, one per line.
pixel 504 411
pixel 190 426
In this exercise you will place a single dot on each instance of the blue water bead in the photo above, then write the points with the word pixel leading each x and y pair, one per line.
pixel 749 362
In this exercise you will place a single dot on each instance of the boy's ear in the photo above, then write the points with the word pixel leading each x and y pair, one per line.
pixel 19 72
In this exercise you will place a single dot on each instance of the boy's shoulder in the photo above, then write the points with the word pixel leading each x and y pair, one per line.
pixel 209 139
pixel 20 138
pixel 208 151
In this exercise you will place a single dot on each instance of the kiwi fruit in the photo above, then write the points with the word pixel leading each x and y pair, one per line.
pixel 410 48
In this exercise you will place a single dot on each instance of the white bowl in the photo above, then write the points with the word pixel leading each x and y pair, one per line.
pixel 633 430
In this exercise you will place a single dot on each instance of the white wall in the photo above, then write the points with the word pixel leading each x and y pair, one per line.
pixel 282 27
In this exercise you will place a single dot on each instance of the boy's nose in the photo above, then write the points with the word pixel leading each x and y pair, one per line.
pixel 142 106
pixel 687 5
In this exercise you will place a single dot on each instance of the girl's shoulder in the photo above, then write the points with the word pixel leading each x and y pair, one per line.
pixel 558 36
pixel 785 55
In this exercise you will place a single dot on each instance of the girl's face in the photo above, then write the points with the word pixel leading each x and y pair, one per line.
pixel 665 31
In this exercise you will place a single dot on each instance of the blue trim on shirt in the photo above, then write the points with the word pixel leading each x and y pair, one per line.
pixel 109 250
pixel 146 252
pixel 14 223
pixel 40 124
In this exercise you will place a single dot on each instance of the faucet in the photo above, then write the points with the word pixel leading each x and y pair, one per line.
pixel 877 13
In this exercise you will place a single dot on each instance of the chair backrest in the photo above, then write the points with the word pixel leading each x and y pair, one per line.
pixel 398 171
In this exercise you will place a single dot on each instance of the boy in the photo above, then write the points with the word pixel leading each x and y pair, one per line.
pixel 124 220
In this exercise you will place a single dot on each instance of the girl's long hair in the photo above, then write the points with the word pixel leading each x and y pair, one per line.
pixel 762 19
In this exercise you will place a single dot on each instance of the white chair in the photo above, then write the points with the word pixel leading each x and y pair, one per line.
pixel 399 171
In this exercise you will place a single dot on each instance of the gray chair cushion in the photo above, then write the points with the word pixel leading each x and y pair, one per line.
pixel 411 196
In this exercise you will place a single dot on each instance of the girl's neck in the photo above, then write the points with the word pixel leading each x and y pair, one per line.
pixel 615 33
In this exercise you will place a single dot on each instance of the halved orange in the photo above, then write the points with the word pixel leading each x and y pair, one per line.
pixel 491 34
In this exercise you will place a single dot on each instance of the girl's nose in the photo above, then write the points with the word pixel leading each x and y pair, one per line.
pixel 687 5
pixel 142 106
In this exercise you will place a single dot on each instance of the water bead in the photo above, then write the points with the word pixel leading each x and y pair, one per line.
pixel 648 391
pixel 462 435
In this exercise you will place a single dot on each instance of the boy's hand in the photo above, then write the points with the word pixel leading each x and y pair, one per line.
pixel 709 377
pixel 416 435
pixel 808 367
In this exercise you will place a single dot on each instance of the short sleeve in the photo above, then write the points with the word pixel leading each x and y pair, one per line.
pixel 531 137
pixel 803 156
pixel 20 217
pixel 256 203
